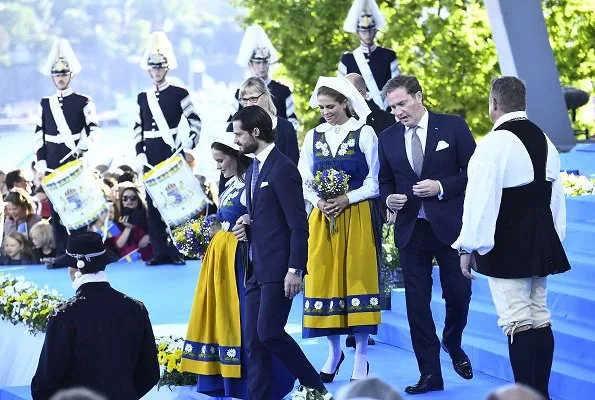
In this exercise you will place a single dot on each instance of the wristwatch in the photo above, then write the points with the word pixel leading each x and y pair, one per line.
pixel 462 252
pixel 296 271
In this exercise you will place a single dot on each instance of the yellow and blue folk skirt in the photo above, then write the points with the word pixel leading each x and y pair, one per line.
pixel 341 288
pixel 214 346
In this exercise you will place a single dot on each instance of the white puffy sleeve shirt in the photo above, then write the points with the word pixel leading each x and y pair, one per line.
pixel 501 161
pixel 368 144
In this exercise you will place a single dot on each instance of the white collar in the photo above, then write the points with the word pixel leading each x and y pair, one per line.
pixel 267 80
pixel 423 122
pixel 367 49
pixel 352 124
pixel 80 279
pixel 508 116
pixel 66 92
pixel 161 87
pixel 231 181
pixel 262 156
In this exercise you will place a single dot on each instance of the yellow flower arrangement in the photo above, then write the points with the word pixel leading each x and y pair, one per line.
pixel 577 185
pixel 169 354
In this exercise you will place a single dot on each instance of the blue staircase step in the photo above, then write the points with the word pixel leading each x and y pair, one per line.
pixel 580 236
pixel 566 301
pixel 580 208
pixel 490 356
pixel 582 272
pixel 569 336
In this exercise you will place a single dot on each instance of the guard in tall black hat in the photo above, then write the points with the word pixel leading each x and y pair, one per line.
pixel 374 63
pixel 156 135
pixel 258 53
pixel 68 122
pixel 100 339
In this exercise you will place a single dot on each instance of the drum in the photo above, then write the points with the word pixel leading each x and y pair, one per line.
pixel 175 191
pixel 75 194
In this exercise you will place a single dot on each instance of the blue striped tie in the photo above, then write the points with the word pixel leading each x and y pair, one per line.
pixel 255 172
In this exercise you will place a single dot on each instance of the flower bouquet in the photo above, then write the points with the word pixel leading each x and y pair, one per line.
pixel 23 302
pixel 169 354
pixel 193 237
pixel 577 185
pixel 329 184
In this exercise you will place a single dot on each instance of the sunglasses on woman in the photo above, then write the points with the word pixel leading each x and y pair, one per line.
pixel 131 198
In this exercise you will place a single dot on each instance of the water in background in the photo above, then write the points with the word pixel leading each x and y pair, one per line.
pixel 116 145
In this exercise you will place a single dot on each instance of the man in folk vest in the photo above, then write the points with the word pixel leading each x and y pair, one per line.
pixel 156 135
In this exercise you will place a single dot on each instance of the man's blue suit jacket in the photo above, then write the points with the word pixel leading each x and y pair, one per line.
pixel 278 220
pixel 448 165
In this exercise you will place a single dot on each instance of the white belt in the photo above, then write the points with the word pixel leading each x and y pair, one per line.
pixel 58 138
pixel 158 134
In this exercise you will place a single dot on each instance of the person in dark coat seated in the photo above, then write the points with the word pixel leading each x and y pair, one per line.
pixel 100 339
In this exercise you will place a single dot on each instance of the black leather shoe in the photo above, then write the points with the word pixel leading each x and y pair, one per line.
pixel 367 372
pixel 328 378
pixel 461 365
pixel 158 261
pixel 427 383
pixel 350 341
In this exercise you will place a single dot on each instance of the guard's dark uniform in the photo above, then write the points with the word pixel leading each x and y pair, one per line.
pixel 100 339
pixel 382 61
pixel 81 117
pixel 282 98
pixel 175 102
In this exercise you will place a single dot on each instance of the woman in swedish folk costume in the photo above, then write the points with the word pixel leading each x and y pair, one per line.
pixel 341 288
pixel 214 346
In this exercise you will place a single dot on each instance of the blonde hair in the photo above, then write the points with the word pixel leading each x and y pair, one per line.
pixel 260 86
pixel 23 242
pixel 44 231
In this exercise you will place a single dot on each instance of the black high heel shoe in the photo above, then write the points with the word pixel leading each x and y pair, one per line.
pixel 367 372
pixel 328 378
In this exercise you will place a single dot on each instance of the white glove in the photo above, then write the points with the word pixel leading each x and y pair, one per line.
pixel 188 144
pixel 81 148
pixel 41 166
pixel 141 160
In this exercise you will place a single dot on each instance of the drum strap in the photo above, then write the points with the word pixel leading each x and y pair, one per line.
pixel 63 129
pixel 159 118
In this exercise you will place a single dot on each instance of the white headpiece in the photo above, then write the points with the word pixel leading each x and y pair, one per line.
pixel 346 88
pixel 227 139
pixel 363 14
pixel 159 53
pixel 256 45
pixel 61 59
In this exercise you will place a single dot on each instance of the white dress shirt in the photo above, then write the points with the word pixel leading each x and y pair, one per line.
pixel 502 161
pixel 261 157
pixel 368 144
pixel 422 132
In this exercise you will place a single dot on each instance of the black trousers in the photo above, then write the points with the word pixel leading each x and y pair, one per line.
pixel 416 260
pixel 162 247
pixel 267 310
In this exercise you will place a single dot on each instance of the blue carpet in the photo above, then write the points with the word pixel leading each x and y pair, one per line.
pixel 167 291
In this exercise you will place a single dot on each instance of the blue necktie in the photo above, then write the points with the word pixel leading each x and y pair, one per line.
pixel 255 172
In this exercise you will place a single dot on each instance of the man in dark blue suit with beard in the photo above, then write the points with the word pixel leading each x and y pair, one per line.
pixel 278 243
pixel 423 174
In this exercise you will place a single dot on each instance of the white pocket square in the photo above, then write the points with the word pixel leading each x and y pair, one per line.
pixel 264 184
pixel 441 145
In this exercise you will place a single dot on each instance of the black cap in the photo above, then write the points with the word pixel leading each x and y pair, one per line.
pixel 86 252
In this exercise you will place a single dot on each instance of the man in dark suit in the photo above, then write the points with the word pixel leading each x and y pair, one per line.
pixel 278 237
pixel 100 339
pixel 423 163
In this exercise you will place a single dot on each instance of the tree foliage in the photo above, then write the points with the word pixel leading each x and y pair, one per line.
pixel 446 43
